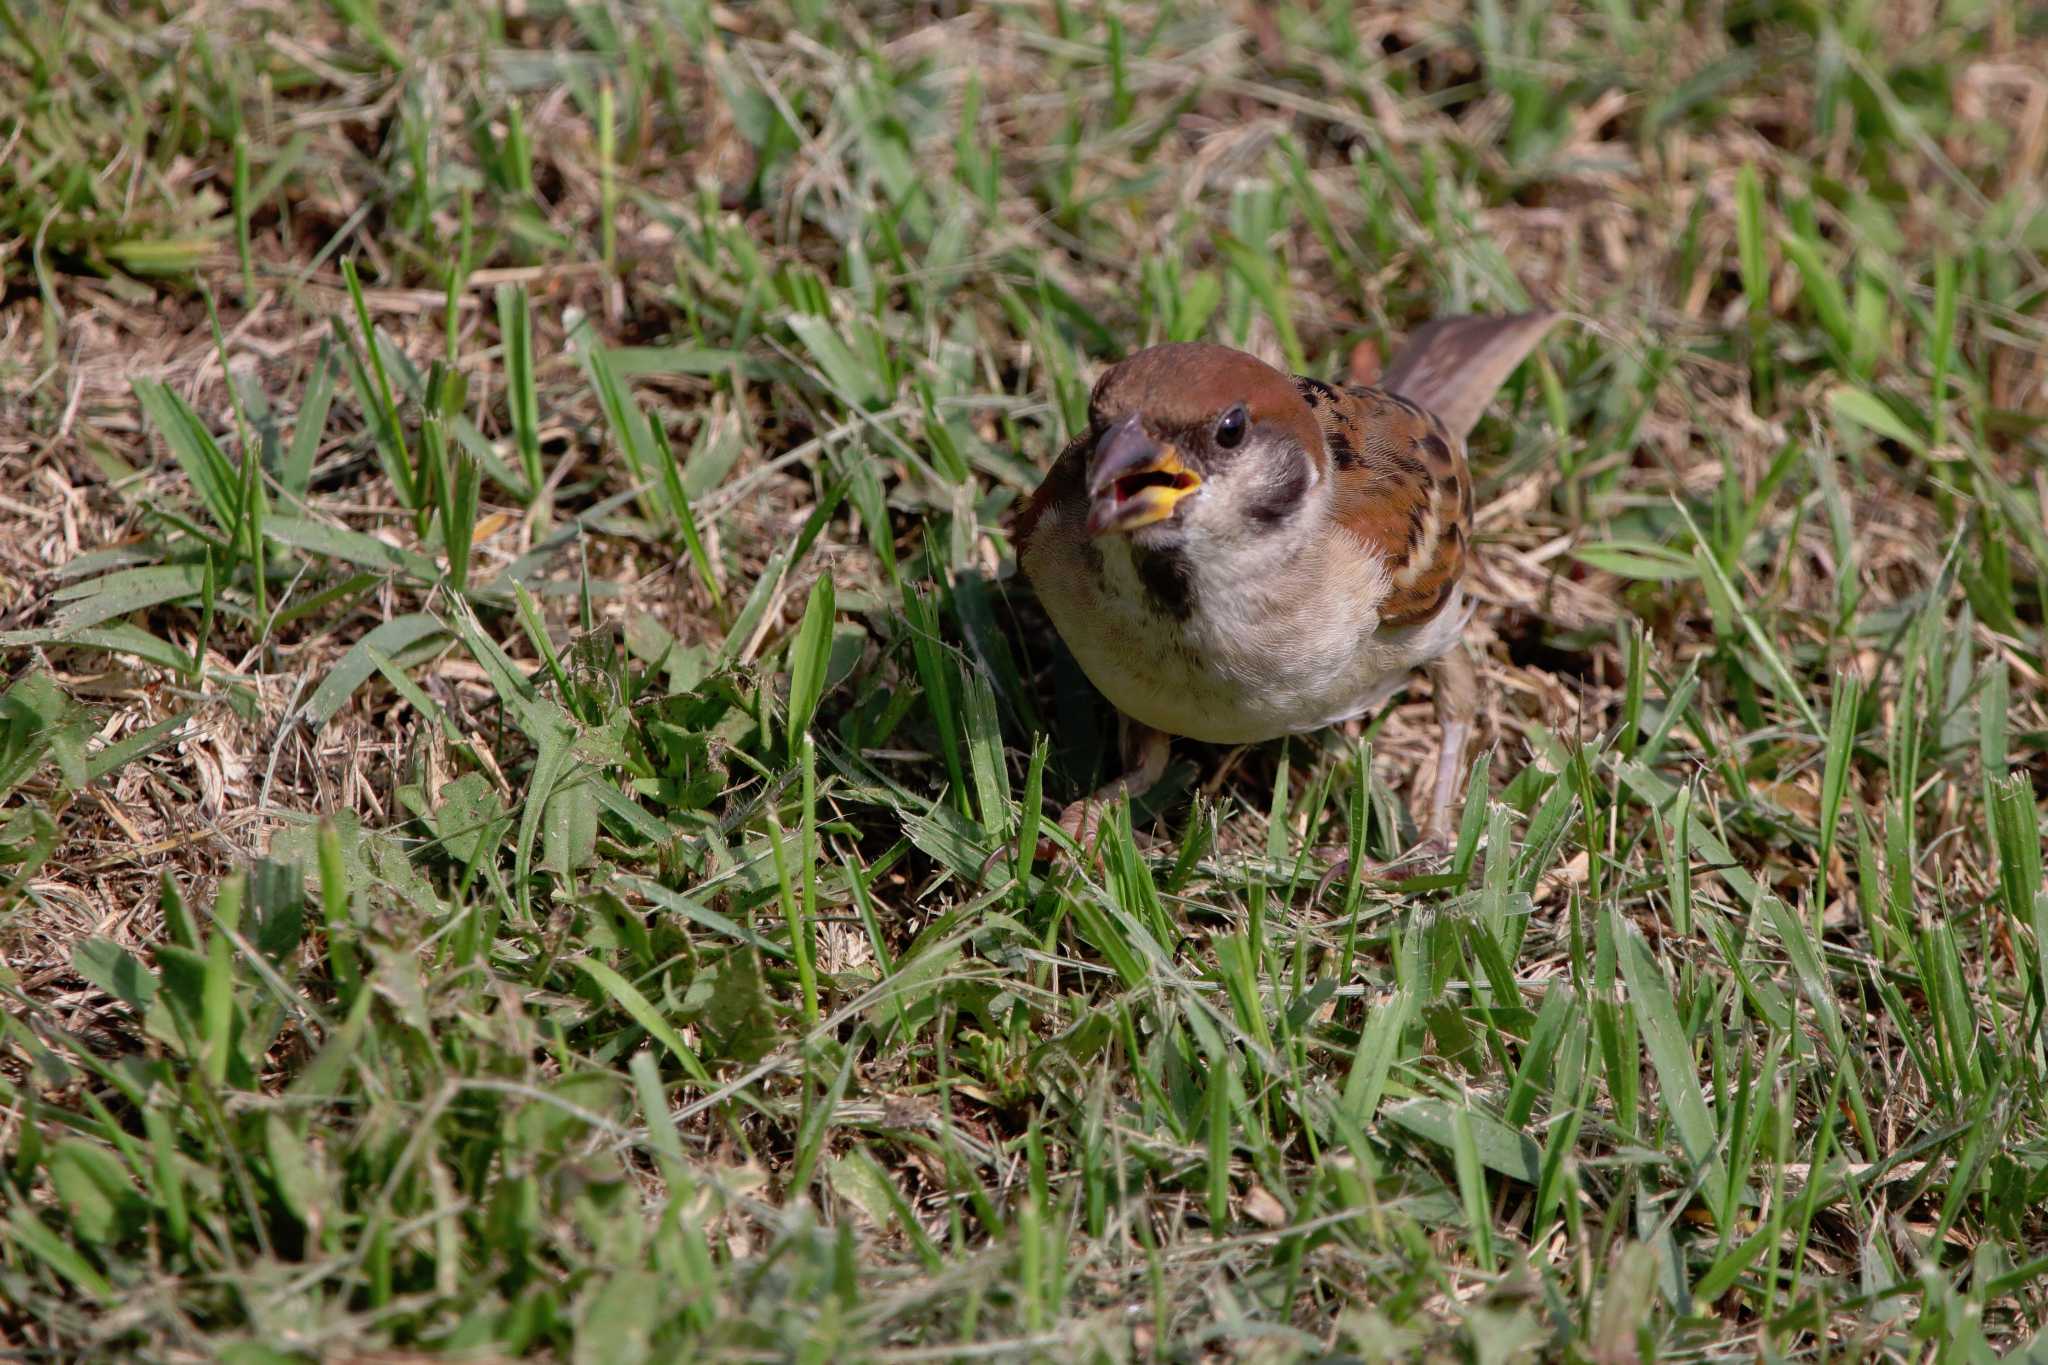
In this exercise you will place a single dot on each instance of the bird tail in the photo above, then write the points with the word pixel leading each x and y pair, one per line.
pixel 1454 366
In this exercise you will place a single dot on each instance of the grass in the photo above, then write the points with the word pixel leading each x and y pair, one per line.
pixel 513 671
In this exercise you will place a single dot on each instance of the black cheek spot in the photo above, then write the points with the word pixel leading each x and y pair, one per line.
pixel 1281 499
pixel 1168 581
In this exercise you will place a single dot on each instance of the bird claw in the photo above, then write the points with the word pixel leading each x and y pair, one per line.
pixel 1082 822
pixel 1430 848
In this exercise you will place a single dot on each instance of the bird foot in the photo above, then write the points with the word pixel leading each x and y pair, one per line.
pixel 1082 822
pixel 1428 850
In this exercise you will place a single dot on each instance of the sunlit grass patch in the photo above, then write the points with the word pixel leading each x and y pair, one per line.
pixel 514 678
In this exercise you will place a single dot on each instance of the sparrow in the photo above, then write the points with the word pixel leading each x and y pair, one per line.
pixel 1234 554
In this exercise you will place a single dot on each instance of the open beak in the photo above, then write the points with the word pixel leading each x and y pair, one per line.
pixel 1134 480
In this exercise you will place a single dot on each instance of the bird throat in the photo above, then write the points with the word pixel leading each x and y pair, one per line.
pixel 1168 581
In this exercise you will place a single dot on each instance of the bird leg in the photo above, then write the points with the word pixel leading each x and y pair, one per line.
pixel 1145 753
pixel 1457 706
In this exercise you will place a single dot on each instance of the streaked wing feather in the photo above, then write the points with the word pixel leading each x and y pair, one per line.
pixel 1402 490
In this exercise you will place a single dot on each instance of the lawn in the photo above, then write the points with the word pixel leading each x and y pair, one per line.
pixel 512 671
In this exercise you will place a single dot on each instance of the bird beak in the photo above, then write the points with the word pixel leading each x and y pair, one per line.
pixel 1134 480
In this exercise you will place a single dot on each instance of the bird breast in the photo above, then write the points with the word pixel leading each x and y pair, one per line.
pixel 1230 652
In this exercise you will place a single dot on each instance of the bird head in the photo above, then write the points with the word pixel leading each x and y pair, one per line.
pixel 1198 442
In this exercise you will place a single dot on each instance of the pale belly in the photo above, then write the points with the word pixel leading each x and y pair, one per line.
pixel 1241 661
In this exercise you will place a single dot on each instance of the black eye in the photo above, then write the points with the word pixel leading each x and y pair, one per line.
pixel 1230 428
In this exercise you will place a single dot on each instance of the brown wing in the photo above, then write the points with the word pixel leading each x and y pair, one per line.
pixel 1064 481
pixel 1398 451
pixel 1402 489
pixel 1454 366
